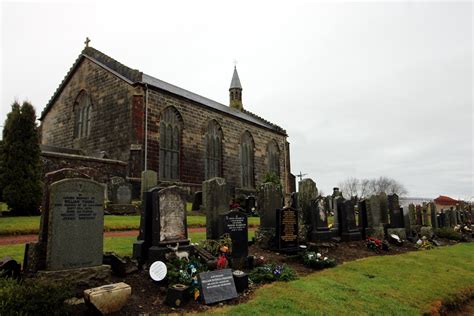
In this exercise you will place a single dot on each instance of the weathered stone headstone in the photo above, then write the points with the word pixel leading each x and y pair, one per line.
pixel 307 192
pixel 287 229
pixel 419 216
pixel 215 199
pixel 235 224
pixel 217 286
pixel 270 199
pixel 76 224
pixel 197 201
pixel 124 194
pixel 447 218
pixel 336 194
pixel 321 231
pixel 374 223
pixel 406 221
pixel 165 224
pixel 350 232
pixel 149 180
pixel 426 216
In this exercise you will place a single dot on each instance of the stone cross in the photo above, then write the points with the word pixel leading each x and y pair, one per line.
pixel 87 41
pixel 301 175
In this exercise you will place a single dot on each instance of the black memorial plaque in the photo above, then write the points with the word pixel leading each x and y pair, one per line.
pixel 287 229
pixel 234 223
pixel 217 286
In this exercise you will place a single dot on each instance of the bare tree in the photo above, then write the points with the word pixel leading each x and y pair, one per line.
pixel 353 188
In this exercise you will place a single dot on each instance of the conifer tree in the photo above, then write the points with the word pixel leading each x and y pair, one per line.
pixel 20 167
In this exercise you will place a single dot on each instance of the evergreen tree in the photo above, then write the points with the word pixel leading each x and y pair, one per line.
pixel 20 167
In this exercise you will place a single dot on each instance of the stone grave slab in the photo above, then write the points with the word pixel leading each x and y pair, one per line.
pixel 217 286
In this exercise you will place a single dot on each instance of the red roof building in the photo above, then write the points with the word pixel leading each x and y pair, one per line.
pixel 443 200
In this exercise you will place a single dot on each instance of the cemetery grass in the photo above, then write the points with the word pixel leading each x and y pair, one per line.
pixel 25 225
pixel 412 283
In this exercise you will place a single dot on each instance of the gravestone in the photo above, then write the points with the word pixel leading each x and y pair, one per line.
pixel 250 205
pixel 270 199
pixel 374 223
pixel 294 200
pixel 433 213
pixel 287 230
pixel 215 199
pixel 441 219
pixel 406 220
pixel 419 216
pixel 454 219
pixel 426 215
pixel 349 229
pixel 124 194
pixel 396 215
pixel 321 231
pixel 235 224
pixel 306 193
pixel 447 218
pixel 336 194
pixel 197 201
pixel 383 208
pixel 165 224
pixel 362 218
pixel 76 224
pixel 149 181
pixel 217 286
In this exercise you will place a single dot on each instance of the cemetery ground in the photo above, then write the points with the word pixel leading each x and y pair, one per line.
pixel 403 281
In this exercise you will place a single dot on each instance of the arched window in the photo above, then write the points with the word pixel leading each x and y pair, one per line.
pixel 246 160
pixel 273 158
pixel 213 144
pixel 170 138
pixel 82 113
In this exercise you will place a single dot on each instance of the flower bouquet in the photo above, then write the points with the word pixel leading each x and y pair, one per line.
pixel 272 272
pixel 316 261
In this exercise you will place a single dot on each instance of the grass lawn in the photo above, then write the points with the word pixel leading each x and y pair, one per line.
pixel 120 245
pixel 405 284
pixel 24 225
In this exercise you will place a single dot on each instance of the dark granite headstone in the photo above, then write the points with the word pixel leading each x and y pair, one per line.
pixel 76 224
pixel 419 218
pixel 362 218
pixel 433 213
pixel 383 208
pixel 287 229
pixel 250 205
pixel 217 286
pixel 396 215
pixel 197 201
pixel 234 223
pixel 294 200
pixel 350 232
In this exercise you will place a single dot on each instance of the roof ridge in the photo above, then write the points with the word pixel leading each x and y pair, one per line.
pixel 264 120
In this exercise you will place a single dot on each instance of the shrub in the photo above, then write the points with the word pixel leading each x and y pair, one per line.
pixel 33 297
pixel 316 261
pixel 448 233
pixel 272 272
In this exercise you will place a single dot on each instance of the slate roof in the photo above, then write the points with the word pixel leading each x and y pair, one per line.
pixel 235 83
pixel 134 76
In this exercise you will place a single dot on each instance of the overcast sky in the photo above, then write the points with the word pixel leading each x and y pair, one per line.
pixel 363 89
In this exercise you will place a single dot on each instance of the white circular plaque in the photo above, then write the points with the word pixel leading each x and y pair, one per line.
pixel 158 270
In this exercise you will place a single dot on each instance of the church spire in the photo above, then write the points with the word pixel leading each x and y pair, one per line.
pixel 235 91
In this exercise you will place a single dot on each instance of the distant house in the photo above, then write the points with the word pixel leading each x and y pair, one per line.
pixel 445 202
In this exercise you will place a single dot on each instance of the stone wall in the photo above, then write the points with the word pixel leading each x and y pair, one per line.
pixel 196 118
pixel 111 124
pixel 98 168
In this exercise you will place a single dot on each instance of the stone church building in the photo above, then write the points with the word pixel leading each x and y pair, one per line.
pixel 106 114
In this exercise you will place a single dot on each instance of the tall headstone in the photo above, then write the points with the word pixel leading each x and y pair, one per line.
pixel 374 224
pixel 419 216
pixel 215 200
pixel 166 224
pixel 35 252
pixel 306 193
pixel 235 224
pixel 287 230
pixel 336 194
pixel 383 208
pixel 149 180
pixel 433 213
pixel 250 204
pixel 321 231
pixel 76 224
pixel 396 216
pixel 350 232
pixel 362 218
pixel 454 217
pixel 426 215
pixel 270 199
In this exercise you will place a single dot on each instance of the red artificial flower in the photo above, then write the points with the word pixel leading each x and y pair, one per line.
pixel 221 262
